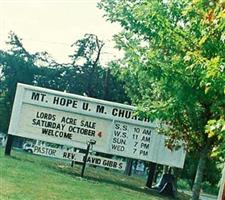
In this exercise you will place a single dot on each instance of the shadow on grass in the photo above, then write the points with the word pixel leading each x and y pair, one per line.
pixel 75 172
pixel 97 176
pixel 101 176
pixel 22 159
pixel 123 184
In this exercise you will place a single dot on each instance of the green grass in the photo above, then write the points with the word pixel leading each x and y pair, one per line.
pixel 28 177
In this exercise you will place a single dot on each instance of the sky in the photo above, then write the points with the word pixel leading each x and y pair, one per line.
pixel 53 25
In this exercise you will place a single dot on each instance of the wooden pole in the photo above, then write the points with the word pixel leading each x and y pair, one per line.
pixel 85 160
pixel 128 169
pixel 8 146
pixel 151 174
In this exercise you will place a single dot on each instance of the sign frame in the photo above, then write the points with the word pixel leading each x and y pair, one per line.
pixel 100 110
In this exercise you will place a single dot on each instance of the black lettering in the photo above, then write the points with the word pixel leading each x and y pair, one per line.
pixel 144 145
pixel 120 166
pixel 146 119
pixel 143 153
pixel 135 144
pixel 65 102
pixel 59 134
pixel 36 148
pixel 118 147
pixel 100 109
pixel 85 106
pixel 88 124
pixel 124 134
pixel 146 139
pixel 63 120
pixel 128 114
pixel 124 127
pixel 64 154
pixel 56 100
pixel 62 101
pixel 115 112
pixel 74 104
pixel 47 116
pixel 88 159
pixel 109 163
pixel 137 130
pixel 83 131
pixel 34 122
pixel 69 102
pixel 119 141
pixel 117 126
pixel 117 133
pixel 36 96
pixel 69 120
pixel 121 113
pixel 147 132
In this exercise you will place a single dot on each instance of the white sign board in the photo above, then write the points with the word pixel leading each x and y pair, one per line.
pixel 73 120
pixel 78 157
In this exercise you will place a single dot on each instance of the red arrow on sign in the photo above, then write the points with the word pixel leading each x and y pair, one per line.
pixel 99 134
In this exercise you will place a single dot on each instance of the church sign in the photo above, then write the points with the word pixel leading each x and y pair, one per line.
pixel 73 120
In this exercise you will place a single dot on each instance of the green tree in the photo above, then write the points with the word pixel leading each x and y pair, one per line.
pixel 86 61
pixel 173 67
pixel 211 174
pixel 16 66
pixel 86 74
pixel 4 113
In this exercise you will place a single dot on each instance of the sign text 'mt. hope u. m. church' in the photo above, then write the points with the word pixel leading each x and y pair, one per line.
pixel 73 120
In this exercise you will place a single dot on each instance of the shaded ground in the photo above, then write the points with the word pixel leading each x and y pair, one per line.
pixel 24 176
pixel 203 196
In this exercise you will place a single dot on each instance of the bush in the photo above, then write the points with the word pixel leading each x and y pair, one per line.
pixel 209 188
pixel 183 184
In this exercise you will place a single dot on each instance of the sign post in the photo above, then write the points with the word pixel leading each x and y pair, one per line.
pixel 128 169
pixel 151 174
pixel 8 146
pixel 90 144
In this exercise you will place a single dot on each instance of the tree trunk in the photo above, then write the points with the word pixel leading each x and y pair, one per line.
pixel 199 175
pixel 106 85
pixel 90 81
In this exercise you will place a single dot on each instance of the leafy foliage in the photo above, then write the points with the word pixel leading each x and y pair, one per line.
pixel 174 59
pixel 16 66
pixel 211 174
pixel 174 68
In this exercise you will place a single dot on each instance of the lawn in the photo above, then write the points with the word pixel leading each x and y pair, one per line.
pixel 25 176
